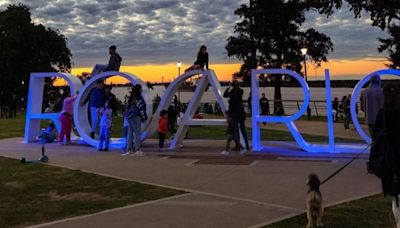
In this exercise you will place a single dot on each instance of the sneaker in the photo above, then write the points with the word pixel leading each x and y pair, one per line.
pixel 225 152
pixel 127 153
pixel 138 153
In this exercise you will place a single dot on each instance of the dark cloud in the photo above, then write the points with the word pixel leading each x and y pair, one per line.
pixel 163 31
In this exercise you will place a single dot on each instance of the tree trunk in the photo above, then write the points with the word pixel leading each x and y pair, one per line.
pixel 278 105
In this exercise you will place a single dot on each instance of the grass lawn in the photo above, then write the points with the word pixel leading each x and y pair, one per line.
pixel 15 128
pixel 36 193
pixel 370 212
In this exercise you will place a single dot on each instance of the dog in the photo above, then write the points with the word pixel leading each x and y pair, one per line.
pixel 314 202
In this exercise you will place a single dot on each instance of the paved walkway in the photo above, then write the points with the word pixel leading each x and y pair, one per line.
pixel 220 193
pixel 316 128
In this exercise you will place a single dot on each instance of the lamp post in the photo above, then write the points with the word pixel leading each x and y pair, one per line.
pixel 179 64
pixel 304 53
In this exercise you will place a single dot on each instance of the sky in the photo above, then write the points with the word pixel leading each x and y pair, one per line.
pixel 151 36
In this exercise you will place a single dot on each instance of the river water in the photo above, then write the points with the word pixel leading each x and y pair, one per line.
pixel 288 93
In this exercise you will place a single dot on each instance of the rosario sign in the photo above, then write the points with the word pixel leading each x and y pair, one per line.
pixel 35 99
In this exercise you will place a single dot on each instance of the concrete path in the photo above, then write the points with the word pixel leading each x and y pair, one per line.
pixel 220 193
pixel 317 128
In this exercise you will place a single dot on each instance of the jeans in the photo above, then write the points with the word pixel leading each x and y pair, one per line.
pixel 240 122
pixel 134 128
pixel 94 114
pixel 104 137
pixel 97 69
pixel 66 125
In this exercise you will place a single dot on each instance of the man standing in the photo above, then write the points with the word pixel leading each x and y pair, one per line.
pixel 235 96
pixel 113 64
pixel 371 101
pixel 264 105
pixel 96 98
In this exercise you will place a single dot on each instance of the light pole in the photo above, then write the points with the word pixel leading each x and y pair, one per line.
pixel 179 64
pixel 304 53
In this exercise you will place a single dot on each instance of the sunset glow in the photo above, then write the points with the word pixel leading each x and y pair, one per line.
pixel 340 69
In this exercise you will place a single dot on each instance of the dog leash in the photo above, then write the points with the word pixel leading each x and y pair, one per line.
pixel 343 167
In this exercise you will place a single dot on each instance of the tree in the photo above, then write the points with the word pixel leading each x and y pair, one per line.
pixel 384 14
pixel 27 47
pixel 270 36
pixel 392 45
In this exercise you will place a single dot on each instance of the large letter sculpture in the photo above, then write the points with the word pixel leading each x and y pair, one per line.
pixel 208 76
pixel 35 100
pixel 289 120
pixel 81 110
pixel 355 95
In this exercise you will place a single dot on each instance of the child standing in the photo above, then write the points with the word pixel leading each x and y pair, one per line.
pixel 233 134
pixel 105 126
pixel 162 128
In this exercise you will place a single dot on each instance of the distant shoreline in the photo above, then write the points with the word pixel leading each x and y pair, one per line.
pixel 315 84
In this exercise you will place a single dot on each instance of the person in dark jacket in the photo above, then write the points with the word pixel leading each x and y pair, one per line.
pixel 97 99
pixel 388 117
pixel 264 105
pixel 235 95
pixel 202 60
pixel 114 62
pixel 110 97
pixel 136 115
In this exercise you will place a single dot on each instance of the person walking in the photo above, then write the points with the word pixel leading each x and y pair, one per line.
pixel 202 60
pixel 136 115
pixel 335 109
pixel 235 95
pixel 346 110
pixel 232 134
pixel 105 126
pixel 371 101
pixel 387 130
pixel 66 118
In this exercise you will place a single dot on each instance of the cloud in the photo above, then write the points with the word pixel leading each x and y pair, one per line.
pixel 165 31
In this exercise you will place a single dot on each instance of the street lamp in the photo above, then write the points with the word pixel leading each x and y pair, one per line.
pixel 304 53
pixel 179 64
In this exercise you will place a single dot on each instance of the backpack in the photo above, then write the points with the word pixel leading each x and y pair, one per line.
pixel 383 162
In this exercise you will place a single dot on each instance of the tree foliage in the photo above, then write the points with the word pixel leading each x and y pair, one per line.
pixel 384 14
pixel 27 47
pixel 270 35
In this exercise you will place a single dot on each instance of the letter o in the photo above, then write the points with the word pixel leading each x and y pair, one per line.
pixel 356 93
pixel 81 110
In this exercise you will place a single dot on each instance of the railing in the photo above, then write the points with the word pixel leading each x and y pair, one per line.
pixel 317 107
